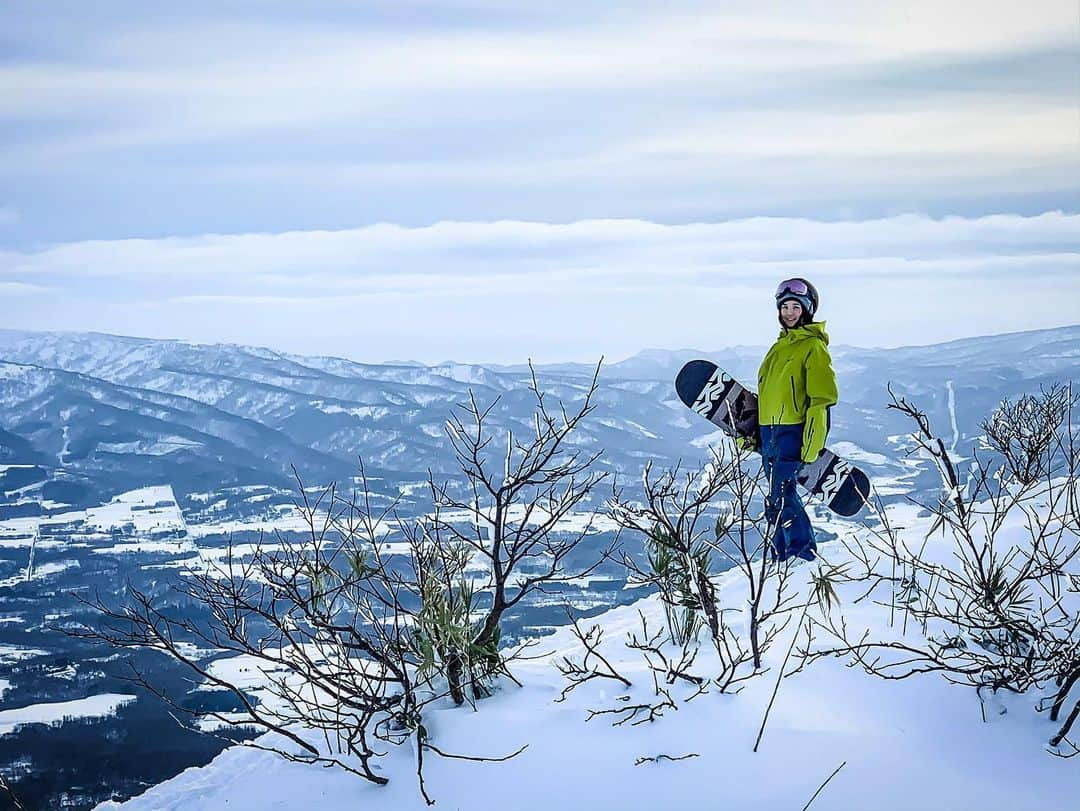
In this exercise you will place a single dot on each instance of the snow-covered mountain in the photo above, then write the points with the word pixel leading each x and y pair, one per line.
pixel 96 414
pixel 125 460
pixel 111 413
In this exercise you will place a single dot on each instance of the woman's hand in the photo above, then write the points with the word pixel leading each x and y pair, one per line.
pixel 746 443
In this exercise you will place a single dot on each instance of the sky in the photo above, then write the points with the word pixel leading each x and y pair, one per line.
pixel 495 181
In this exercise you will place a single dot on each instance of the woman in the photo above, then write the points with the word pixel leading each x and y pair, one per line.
pixel 796 388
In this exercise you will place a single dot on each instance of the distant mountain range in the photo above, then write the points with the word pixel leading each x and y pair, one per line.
pixel 88 415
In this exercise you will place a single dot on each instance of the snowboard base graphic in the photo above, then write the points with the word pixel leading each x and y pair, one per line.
pixel 705 388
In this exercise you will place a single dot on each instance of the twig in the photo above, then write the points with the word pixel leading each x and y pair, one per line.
pixel 658 758
pixel 10 793
pixel 476 758
pixel 827 779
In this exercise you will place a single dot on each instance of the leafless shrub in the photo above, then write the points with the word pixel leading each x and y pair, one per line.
pixel 651 645
pixel 1024 431
pixel 637 714
pixel 577 673
pixel 691 519
pixel 508 514
pixel 322 622
pixel 1003 613
pixel 350 648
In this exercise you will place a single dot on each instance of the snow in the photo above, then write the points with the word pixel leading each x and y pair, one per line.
pixel 681 421
pixel 914 743
pixel 193 651
pixel 17 653
pixel 412 488
pixel 710 439
pixel 40 571
pixel 622 424
pixel 853 453
pixel 227 721
pixel 148 509
pixel 952 415
pixel 425 399
pixel 15 371
pixel 183 547
pixel 6 468
pixel 17 532
pixel 67 673
pixel 219 555
pixel 370 412
pixel 462 373
pixel 146 495
pixel 643 429
pixel 157 447
pixel 247 672
pixel 892 485
pixel 98 706
pixel 585 582
pixel 289 520
pixel 575 522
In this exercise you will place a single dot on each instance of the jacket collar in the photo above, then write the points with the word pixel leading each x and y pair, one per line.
pixel 815 329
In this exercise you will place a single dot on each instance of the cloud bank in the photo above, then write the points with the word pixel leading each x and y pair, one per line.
pixel 507 290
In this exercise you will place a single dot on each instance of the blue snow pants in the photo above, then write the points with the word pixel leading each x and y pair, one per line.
pixel 781 452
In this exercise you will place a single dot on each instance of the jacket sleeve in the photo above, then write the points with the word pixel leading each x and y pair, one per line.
pixel 820 394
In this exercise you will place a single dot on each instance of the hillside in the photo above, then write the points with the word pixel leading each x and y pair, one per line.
pixel 915 743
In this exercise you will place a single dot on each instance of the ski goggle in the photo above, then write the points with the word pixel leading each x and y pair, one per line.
pixel 795 287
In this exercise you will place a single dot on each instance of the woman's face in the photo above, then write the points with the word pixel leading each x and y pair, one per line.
pixel 790 312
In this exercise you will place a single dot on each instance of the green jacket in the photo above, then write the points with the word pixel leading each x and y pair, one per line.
pixel 796 384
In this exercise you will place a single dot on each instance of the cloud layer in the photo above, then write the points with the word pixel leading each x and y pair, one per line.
pixel 510 289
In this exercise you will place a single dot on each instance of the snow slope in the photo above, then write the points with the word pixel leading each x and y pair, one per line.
pixel 916 743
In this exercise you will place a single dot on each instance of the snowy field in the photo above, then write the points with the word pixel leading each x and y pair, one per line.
pixel 60 711
pixel 916 743
pixel 146 510
pixel 17 653
pixel 150 522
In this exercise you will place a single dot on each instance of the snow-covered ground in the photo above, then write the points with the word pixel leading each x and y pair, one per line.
pixel 853 453
pixel 144 516
pixel 148 509
pixel 575 522
pixel 18 532
pixel 178 547
pixel 915 743
pixel 17 653
pixel 57 712
pixel 40 572
pixel 288 519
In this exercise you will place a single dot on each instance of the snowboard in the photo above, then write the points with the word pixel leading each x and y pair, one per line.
pixel 707 389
